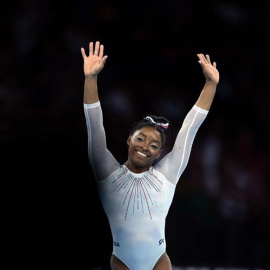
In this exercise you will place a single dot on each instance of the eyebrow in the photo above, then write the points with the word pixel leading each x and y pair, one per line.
pixel 156 141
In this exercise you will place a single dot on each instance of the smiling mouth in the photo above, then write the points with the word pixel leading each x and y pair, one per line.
pixel 141 154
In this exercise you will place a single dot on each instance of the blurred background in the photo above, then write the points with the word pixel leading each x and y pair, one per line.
pixel 220 215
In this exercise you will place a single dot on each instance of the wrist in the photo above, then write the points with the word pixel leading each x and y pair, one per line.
pixel 91 76
pixel 211 82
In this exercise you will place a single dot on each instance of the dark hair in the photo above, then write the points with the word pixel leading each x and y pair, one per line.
pixel 157 125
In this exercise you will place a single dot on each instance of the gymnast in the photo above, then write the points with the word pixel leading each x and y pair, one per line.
pixel 136 195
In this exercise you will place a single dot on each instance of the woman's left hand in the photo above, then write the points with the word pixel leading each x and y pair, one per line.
pixel 209 70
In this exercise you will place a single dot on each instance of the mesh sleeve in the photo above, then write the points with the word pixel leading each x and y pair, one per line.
pixel 102 161
pixel 175 162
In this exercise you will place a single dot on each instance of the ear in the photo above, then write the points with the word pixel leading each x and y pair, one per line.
pixel 159 154
pixel 128 140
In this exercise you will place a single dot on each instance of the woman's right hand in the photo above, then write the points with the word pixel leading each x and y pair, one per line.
pixel 95 62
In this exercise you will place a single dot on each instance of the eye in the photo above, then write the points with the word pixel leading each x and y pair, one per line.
pixel 139 139
pixel 154 146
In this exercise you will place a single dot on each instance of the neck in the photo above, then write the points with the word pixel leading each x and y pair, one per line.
pixel 134 168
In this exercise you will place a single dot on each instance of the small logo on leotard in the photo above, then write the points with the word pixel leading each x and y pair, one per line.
pixel 116 244
pixel 161 241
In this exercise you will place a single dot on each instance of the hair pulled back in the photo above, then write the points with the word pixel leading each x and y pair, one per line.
pixel 159 123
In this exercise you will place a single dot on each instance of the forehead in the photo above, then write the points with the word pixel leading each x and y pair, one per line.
pixel 149 132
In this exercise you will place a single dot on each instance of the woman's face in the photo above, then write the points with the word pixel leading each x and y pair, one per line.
pixel 144 147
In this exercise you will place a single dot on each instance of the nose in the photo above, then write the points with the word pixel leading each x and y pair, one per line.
pixel 145 146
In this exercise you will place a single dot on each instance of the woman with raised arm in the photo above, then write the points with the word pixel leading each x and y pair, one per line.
pixel 136 196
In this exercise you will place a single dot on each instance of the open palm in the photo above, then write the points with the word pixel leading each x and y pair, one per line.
pixel 95 62
pixel 209 70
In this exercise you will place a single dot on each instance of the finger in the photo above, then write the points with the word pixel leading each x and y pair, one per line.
pixel 199 61
pixel 101 51
pixel 201 58
pixel 204 59
pixel 208 58
pixel 214 64
pixel 104 59
pixel 96 48
pixel 91 48
pixel 83 53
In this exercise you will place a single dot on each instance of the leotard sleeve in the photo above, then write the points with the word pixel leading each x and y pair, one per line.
pixel 175 162
pixel 102 161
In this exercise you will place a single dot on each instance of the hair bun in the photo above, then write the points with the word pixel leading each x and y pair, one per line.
pixel 157 120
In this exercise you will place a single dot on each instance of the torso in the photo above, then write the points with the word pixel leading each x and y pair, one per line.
pixel 136 206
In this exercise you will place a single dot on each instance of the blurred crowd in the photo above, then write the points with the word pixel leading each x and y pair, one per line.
pixel 221 211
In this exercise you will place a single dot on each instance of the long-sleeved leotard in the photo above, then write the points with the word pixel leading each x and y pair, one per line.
pixel 137 204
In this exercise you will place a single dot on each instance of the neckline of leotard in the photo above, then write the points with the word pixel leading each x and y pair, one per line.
pixel 137 175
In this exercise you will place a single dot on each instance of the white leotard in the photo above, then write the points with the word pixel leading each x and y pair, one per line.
pixel 137 204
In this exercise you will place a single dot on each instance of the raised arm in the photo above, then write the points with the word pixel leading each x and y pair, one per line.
pixel 93 64
pixel 102 161
pixel 175 162
pixel 211 75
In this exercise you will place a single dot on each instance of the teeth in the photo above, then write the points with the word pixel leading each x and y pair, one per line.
pixel 141 154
